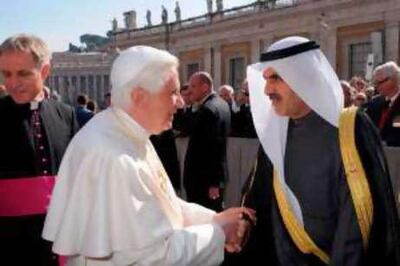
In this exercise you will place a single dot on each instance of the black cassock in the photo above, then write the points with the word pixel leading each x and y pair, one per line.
pixel 315 173
pixel 21 157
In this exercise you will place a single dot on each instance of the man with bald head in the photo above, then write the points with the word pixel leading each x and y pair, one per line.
pixel 113 203
pixel 320 186
pixel 205 169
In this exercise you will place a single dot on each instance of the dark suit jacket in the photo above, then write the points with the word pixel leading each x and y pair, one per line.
pixel 205 162
pixel 183 121
pixel 83 115
pixel 242 123
pixel 164 144
pixel 389 133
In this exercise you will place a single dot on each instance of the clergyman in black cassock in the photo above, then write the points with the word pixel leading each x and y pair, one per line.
pixel 35 133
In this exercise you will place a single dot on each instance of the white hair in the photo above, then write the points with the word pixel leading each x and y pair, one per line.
pixel 389 69
pixel 139 67
pixel 226 87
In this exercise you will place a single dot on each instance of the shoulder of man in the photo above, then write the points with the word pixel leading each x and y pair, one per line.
pixel 376 100
pixel 6 105
pixel 60 106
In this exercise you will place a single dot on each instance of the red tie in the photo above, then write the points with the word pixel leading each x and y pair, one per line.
pixel 384 114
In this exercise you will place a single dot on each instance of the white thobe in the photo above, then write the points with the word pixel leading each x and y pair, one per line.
pixel 114 205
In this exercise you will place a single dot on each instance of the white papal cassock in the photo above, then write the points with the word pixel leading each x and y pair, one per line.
pixel 113 200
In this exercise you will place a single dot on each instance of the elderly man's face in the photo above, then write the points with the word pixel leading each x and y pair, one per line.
pixel 225 94
pixel 385 85
pixel 159 108
pixel 283 98
pixel 23 78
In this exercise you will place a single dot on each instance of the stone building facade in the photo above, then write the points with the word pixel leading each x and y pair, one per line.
pixel 224 43
pixel 76 73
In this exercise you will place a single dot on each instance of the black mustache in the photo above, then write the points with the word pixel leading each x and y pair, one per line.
pixel 274 96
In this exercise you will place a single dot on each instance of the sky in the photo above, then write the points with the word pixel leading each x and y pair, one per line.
pixel 59 22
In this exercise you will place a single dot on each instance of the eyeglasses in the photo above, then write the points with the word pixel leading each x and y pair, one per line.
pixel 379 82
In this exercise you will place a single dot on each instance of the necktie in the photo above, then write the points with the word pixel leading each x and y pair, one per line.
pixel 384 114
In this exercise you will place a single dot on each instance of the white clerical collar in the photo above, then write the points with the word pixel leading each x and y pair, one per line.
pixel 130 124
pixel 35 102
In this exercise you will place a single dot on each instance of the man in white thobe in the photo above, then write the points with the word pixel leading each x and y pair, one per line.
pixel 113 203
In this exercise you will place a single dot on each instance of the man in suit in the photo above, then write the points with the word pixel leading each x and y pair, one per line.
pixel 384 109
pixel 244 117
pixel 34 135
pixel 83 114
pixel 226 92
pixel 205 169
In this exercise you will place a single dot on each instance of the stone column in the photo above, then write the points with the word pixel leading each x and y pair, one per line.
pixel 255 51
pixel 392 30
pixel 102 87
pixel 71 89
pixel 217 65
pixel 330 49
pixel 208 51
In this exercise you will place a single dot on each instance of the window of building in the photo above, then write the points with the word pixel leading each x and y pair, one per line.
pixel 191 69
pixel 236 72
pixel 358 58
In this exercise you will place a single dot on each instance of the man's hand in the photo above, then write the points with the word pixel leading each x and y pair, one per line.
pixel 235 223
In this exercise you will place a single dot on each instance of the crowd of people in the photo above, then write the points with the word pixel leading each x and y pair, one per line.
pixel 111 194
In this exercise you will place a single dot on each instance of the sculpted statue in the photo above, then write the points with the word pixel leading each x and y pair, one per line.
pixel 209 6
pixel 164 15
pixel 177 11
pixel 148 18
pixel 114 23
pixel 220 5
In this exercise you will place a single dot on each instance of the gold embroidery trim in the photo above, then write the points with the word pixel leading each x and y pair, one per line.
pixel 297 232
pixel 253 174
pixel 355 173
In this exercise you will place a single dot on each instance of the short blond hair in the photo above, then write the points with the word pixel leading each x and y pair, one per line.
pixel 28 44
